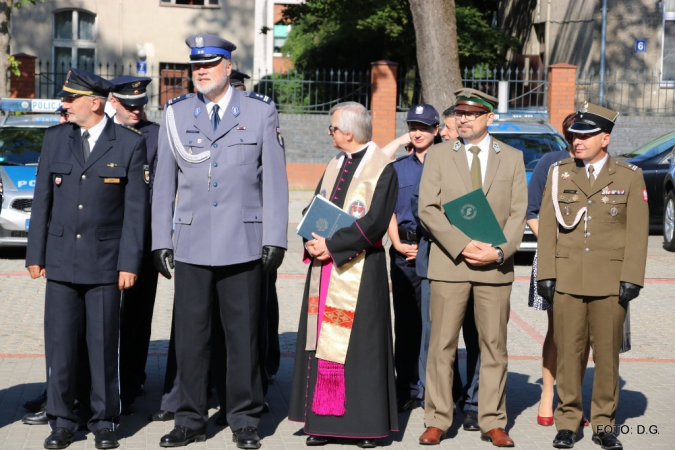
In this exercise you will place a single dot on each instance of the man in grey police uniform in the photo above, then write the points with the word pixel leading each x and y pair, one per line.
pixel 86 237
pixel 221 156
pixel 128 98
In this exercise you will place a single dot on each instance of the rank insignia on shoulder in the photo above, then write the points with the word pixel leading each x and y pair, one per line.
pixel 495 147
pixel 179 98
pixel 257 96
pixel 133 129
pixel 457 146
pixel 146 173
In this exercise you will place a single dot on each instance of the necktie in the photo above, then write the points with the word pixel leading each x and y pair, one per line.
pixel 215 118
pixel 86 150
pixel 476 177
pixel 591 175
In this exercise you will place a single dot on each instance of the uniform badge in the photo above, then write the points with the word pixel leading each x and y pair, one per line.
pixel 146 173
pixel 111 180
pixel 613 212
pixel 565 176
pixel 584 108
pixel 241 128
pixel 605 190
pixel 456 146
pixel 197 111
pixel 644 194
pixel 235 111
pixel 357 209
pixel 604 199
pixel 495 147
pixel 419 110
pixel 58 180
pixel 111 165
pixel 135 84
pixel 199 42
pixel 200 141
pixel 567 210
pixel 280 138
pixel 575 198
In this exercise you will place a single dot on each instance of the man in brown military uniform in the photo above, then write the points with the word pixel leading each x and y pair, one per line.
pixel 593 230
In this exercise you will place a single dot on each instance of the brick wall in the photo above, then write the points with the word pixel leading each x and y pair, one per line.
pixel 23 86
pixel 383 101
pixel 562 90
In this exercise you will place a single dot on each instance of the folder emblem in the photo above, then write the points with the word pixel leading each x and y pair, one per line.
pixel 468 211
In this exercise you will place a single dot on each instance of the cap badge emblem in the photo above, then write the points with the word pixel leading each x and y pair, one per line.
pixel 199 42
pixel 135 84
pixel 467 93
pixel 584 108
pixel 136 92
pixel 419 110
pixel 67 77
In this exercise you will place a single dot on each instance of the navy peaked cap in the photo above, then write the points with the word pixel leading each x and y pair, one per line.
pixel 81 82
pixel 131 90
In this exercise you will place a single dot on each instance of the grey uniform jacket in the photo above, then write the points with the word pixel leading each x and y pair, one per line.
pixel 233 202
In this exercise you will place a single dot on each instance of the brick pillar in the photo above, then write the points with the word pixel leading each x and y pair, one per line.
pixel 383 102
pixel 562 91
pixel 23 86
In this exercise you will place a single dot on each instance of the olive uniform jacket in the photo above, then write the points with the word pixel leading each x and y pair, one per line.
pixel 446 176
pixel 613 247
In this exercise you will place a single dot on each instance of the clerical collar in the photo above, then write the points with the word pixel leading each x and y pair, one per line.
pixel 357 154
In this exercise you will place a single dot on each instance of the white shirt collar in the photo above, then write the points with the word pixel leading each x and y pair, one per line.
pixel 350 155
pixel 95 131
pixel 222 104
pixel 597 167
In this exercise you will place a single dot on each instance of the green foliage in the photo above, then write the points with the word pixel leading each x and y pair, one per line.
pixel 354 33
pixel 13 65
pixel 20 3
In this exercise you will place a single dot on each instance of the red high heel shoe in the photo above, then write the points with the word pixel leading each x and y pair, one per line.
pixel 545 421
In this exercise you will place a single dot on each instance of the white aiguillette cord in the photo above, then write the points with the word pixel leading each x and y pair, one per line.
pixel 556 206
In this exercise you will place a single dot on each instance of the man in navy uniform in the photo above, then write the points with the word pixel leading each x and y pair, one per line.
pixel 221 156
pixel 86 238
pixel 128 98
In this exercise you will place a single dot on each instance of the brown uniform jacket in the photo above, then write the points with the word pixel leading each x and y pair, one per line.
pixel 446 176
pixel 614 246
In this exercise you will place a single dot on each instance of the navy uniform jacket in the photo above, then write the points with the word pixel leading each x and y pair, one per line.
pixel 409 171
pixel 150 131
pixel 87 219
pixel 233 202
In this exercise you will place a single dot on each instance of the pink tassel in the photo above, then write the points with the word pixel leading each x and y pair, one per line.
pixel 329 392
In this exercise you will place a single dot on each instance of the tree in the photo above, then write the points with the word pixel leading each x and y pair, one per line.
pixel 8 63
pixel 437 51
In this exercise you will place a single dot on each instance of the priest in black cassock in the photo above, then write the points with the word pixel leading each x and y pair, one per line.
pixel 343 380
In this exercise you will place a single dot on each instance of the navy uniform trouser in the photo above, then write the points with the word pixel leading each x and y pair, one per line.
pixel 466 394
pixel 77 313
pixel 135 331
pixel 236 289
pixel 407 294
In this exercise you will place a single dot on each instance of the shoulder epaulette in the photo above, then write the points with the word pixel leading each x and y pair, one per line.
pixel 180 98
pixel 257 96
pixel 138 132
pixel 563 161
pixel 400 158
pixel 626 165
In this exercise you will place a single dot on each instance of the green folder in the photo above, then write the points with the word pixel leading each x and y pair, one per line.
pixel 473 215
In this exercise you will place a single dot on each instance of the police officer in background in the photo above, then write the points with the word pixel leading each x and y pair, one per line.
pixel 128 98
pixel 593 232
pixel 238 80
pixel 86 238
pixel 221 153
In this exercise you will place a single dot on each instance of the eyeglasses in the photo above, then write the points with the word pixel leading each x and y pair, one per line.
pixel 332 129
pixel 470 115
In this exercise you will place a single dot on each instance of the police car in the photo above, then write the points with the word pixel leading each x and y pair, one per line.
pixel 22 128
pixel 534 138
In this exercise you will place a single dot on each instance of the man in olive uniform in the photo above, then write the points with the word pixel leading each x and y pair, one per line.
pixel 220 204
pixel 128 98
pixel 593 231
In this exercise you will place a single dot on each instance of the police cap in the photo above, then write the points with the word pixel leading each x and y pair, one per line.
pixel 207 48
pixel 237 78
pixel 131 90
pixel 474 100
pixel 423 113
pixel 81 82
pixel 591 119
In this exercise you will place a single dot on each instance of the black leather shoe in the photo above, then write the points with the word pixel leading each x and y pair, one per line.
pixel 39 418
pixel 221 419
pixel 406 405
pixel 105 438
pixel 160 416
pixel 564 439
pixel 36 404
pixel 59 438
pixel 608 441
pixel 246 437
pixel 470 421
pixel 181 436
pixel 314 441
pixel 366 443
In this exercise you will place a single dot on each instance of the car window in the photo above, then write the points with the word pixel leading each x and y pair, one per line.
pixel 20 146
pixel 648 153
pixel 533 146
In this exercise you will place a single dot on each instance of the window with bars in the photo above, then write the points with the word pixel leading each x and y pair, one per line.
pixel 668 56
pixel 74 42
